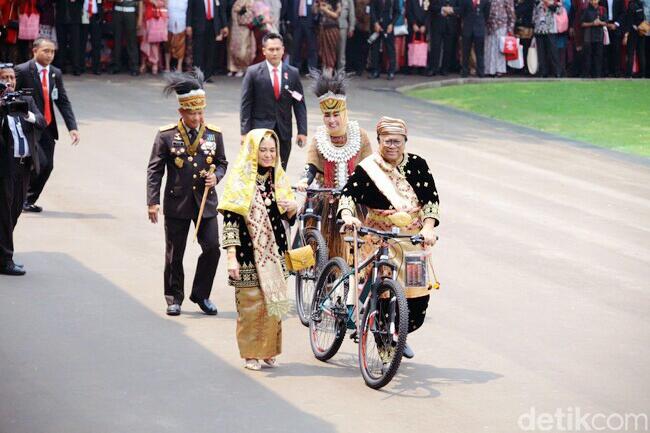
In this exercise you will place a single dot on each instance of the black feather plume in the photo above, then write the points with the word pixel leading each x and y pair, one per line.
pixel 183 82
pixel 324 82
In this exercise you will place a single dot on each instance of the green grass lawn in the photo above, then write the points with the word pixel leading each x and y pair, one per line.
pixel 612 114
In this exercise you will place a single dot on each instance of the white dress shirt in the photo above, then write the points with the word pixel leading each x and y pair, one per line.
pixel 18 134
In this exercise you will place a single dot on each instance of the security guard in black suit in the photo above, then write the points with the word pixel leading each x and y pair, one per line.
pixel 193 154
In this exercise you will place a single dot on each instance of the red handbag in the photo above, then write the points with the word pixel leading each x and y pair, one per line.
pixel 508 45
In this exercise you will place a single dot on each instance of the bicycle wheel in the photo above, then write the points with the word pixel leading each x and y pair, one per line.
pixel 329 312
pixel 384 328
pixel 306 279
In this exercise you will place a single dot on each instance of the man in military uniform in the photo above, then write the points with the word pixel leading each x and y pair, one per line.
pixel 193 154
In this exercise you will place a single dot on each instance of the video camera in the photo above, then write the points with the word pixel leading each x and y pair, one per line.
pixel 10 102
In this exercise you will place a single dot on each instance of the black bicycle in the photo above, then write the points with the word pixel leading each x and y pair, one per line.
pixel 309 233
pixel 381 324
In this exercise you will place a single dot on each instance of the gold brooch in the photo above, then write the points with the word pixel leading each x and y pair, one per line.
pixel 179 162
pixel 208 160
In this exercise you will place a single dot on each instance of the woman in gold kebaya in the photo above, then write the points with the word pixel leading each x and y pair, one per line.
pixel 256 203
pixel 338 146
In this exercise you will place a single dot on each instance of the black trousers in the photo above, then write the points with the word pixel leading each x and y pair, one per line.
pixel 548 55
pixel 124 27
pixel 176 230
pixel 612 64
pixel 592 56
pixel 13 188
pixel 285 151
pixel 442 42
pixel 69 43
pixel 94 30
pixel 37 181
pixel 304 31
pixel 388 39
pixel 636 44
pixel 204 49
pixel 478 42
pixel 357 52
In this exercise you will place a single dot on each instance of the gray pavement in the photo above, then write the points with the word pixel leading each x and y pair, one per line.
pixel 543 257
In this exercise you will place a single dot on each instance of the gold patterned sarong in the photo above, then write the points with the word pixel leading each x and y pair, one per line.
pixel 259 335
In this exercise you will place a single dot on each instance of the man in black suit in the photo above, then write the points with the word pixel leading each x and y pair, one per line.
pixel 193 155
pixel 206 22
pixel 47 82
pixel 301 18
pixel 444 34
pixel 68 33
pixel 615 14
pixel 383 16
pixel 19 133
pixel 269 91
pixel 473 14
pixel 419 19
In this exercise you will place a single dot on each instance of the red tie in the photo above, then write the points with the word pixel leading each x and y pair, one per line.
pixel 46 97
pixel 276 84
pixel 90 8
pixel 209 13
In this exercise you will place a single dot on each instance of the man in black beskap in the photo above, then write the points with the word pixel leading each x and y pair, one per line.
pixel 270 90
pixel 21 124
pixel 46 81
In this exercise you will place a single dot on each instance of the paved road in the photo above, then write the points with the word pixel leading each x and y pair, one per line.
pixel 544 258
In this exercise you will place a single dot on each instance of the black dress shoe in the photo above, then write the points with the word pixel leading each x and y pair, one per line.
pixel 30 207
pixel 10 268
pixel 206 306
pixel 174 310
pixel 430 73
pixel 391 76
pixel 374 75
pixel 135 73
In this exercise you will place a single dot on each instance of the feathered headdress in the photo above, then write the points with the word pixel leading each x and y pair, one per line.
pixel 188 88
pixel 330 89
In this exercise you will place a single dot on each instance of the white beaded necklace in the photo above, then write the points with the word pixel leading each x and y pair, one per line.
pixel 339 155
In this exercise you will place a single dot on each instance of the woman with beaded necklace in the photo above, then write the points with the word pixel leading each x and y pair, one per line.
pixel 256 203
pixel 336 149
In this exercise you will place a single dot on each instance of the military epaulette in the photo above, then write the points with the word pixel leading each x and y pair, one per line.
pixel 212 127
pixel 167 127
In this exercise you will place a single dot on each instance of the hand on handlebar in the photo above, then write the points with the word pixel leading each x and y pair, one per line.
pixel 302 185
pixel 350 221
pixel 429 236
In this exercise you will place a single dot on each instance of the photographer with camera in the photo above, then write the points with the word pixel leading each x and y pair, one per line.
pixel 21 125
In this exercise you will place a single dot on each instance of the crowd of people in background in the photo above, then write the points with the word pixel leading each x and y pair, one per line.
pixel 575 38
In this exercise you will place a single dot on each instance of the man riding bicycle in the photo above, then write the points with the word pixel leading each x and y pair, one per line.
pixel 398 189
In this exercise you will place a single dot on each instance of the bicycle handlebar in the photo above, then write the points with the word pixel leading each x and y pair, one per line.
pixel 364 230
pixel 319 190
